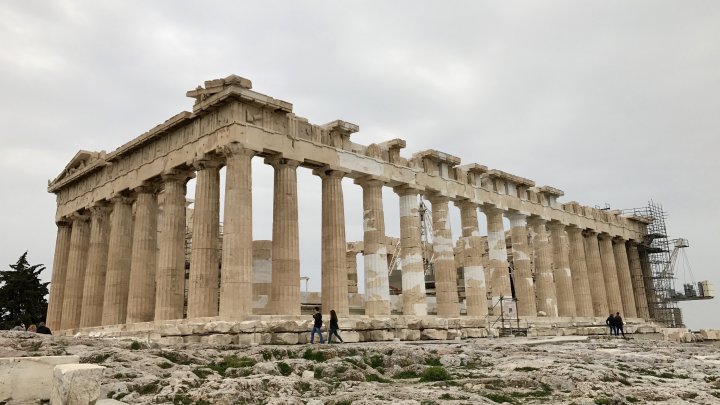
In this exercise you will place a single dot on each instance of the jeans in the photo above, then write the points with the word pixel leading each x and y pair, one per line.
pixel 332 332
pixel 317 330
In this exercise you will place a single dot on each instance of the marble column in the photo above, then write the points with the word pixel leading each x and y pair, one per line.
pixel 143 263
pixel 624 278
pixel 117 277
pixel 579 270
pixel 497 252
pixel 411 258
pixel 445 272
pixel 97 261
pixel 547 296
pixel 170 277
pixel 474 272
pixel 285 293
pixel 377 285
pixel 561 270
pixel 204 266
pixel 641 303
pixel 649 283
pixel 59 273
pixel 522 274
pixel 75 279
pixel 334 293
pixel 610 276
pixel 351 265
pixel 236 297
pixel 595 274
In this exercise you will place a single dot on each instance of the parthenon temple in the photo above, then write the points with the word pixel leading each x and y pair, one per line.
pixel 123 227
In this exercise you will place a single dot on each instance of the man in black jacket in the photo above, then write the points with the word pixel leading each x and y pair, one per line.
pixel 317 326
pixel 610 322
pixel 43 329
pixel 619 325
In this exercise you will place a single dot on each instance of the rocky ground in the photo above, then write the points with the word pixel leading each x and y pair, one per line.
pixel 570 370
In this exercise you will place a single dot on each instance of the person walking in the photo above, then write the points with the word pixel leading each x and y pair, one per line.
pixel 610 322
pixel 334 328
pixel 317 326
pixel 43 329
pixel 619 325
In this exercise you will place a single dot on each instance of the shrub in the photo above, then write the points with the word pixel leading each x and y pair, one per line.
pixel 526 369
pixel 311 354
pixel 433 361
pixel 95 358
pixel 135 345
pixel 498 397
pixel 375 378
pixel 202 373
pixel 231 361
pixel 146 389
pixel 405 374
pixel 285 368
pixel 375 361
pixel 435 373
pixel 165 365
pixel 303 386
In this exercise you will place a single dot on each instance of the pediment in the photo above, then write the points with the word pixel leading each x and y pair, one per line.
pixel 80 161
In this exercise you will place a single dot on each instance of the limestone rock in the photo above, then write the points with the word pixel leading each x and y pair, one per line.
pixel 76 384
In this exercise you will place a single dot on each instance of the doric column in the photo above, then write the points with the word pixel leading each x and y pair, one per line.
pixel 351 265
pixel 610 276
pixel 285 293
pixel 641 303
pixel 75 280
pixel 624 278
pixel 579 270
pixel 59 273
pixel 117 277
pixel 650 293
pixel 94 287
pixel 445 272
pixel 595 273
pixel 561 270
pixel 170 277
pixel 143 264
pixel 334 293
pixel 413 271
pixel 474 273
pixel 236 298
pixel 377 285
pixel 204 268
pixel 547 300
pixel 522 274
pixel 497 252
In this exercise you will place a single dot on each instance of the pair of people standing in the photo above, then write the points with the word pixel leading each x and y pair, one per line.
pixel 317 326
pixel 615 323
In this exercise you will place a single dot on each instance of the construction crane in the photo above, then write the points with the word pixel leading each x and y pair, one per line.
pixel 678 258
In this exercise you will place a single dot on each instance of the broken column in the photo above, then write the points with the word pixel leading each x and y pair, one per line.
pixel 413 271
pixel 285 294
pixel 522 275
pixel 76 384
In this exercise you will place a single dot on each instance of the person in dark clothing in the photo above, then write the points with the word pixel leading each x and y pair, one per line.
pixel 619 325
pixel 334 328
pixel 610 322
pixel 43 329
pixel 317 326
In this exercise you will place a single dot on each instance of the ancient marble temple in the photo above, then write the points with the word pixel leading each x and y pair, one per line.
pixel 121 223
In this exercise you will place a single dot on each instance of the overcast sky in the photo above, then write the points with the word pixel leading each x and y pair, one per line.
pixel 613 102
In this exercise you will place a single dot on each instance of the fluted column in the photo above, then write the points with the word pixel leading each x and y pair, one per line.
pixel 170 277
pixel 413 271
pixel 522 274
pixel 497 252
pixel 595 274
pixel 351 264
pixel 641 303
pixel 579 270
pixel 94 287
pixel 610 276
pixel 204 269
pixel 75 280
pixel 547 300
pixel 377 285
pixel 59 273
pixel 624 278
pixel 285 293
pixel 236 297
pixel 334 269
pixel 117 277
pixel 143 264
pixel 561 270
pixel 445 272
pixel 650 293
pixel 474 273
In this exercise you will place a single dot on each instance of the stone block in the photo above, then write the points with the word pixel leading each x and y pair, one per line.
pixel 710 334
pixel 191 339
pixel 170 340
pixel 218 327
pixel 29 378
pixel 217 340
pixel 433 323
pixel 350 336
pixel 433 334
pixel 247 326
pixel 454 333
pixel 246 339
pixel 284 339
pixel 408 334
pixel 474 332
pixel 645 329
pixel 380 335
pixel 289 326
pixel 76 384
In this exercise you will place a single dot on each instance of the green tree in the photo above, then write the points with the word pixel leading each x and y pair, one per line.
pixel 22 295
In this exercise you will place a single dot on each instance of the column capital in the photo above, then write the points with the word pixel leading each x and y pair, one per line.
pixel 535 220
pixel 122 199
pixel 177 174
pixel 329 172
pixel 619 240
pixel 573 229
pixel 207 162
pixel 369 180
pixel 437 198
pixel 556 225
pixel 517 215
pixel 278 160
pixel 236 149
pixel 407 189
pixel 490 209
pixel 465 203
pixel 78 216
pixel 148 187
pixel 633 242
pixel 100 208
pixel 64 222
pixel 604 236
pixel 589 233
